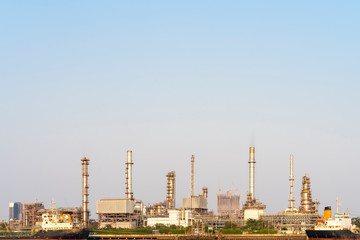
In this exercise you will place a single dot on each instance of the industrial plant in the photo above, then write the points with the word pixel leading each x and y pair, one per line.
pixel 129 212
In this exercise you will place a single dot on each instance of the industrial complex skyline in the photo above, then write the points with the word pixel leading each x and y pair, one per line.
pixel 171 80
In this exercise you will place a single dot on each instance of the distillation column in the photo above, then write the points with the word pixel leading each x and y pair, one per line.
pixel 85 191
pixel 129 163
pixel 306 203
pixel 170 190
pixel 192 175
pixel 291 200
pixel 252 173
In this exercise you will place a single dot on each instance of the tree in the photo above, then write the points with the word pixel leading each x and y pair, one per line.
pixel 230 225
pixel 257 224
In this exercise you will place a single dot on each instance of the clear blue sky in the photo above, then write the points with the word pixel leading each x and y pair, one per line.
pixel 170 79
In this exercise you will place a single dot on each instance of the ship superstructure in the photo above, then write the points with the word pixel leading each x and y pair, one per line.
pixel 338 227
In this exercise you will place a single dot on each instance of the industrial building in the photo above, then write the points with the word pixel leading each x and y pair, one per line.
pixel 292 219
pixel 121 212
pixel 194 203
pixel 178 217
pixel 252 209
pixel 161 209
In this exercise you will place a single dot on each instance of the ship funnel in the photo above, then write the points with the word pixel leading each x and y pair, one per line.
pixel 327 213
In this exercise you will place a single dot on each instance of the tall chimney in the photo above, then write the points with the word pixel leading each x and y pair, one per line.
pixel 252 173
pixel 192 175
pixel 85 191
pixel 170 190
pixel 291 200
pixel 129 163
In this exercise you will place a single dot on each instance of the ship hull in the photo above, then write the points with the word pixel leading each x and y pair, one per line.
pixel 54 235
pixel 331 234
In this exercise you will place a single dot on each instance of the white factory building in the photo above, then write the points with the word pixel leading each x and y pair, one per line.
pixel 178 217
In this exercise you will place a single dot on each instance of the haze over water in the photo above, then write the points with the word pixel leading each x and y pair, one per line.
pixel 168 80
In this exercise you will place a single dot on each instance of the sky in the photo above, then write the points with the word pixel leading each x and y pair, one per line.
pixel 171 79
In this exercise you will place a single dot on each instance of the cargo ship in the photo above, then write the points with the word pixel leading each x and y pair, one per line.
pixel 339 227
pixel 53 226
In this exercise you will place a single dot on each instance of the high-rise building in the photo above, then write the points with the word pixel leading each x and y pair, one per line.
pixel 228 204
pixel 15 211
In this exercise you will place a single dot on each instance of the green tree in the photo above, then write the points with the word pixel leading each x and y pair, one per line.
pixel 230 225
pixel 257 224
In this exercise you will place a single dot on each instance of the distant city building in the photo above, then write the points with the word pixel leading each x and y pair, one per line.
pixel 15 211
pixel 228 204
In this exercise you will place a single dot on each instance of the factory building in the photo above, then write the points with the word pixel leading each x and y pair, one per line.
pixel 252 209
pixel 121 212
pixel 228 204
pixel 178 217
pixel 195 203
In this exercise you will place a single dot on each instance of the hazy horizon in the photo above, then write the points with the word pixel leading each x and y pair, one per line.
pixel 168 80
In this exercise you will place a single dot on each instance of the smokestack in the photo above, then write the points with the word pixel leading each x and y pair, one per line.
pixel 205 192
pixel 85 191
pixel 252 173
pixel 291 183
pixel 171 190
pixel 129 163
pixel 192 175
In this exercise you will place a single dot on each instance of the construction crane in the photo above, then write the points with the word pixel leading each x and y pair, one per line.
pixel 7 229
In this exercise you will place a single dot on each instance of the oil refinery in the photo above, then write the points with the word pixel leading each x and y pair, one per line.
pixel 130 212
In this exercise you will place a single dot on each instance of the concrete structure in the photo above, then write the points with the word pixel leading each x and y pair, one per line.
pixel 228 204
pixel 253 213
pixel 15 211
pixel 121 212
pixel 197 203
pixel 178 217
pixel 85 191
pixel 115 205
